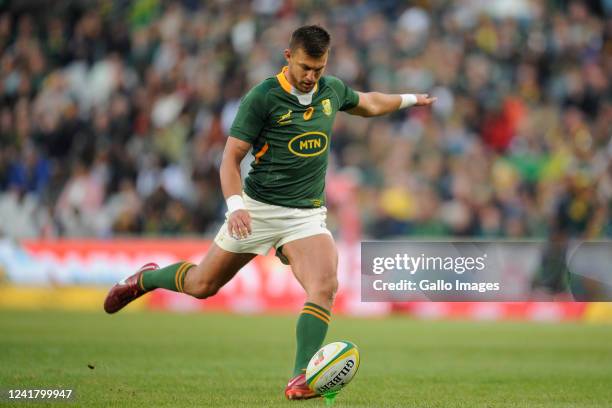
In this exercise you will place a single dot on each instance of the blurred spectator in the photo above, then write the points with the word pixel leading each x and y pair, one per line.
pixel 80 201
pixel 113 115
pixel 29 173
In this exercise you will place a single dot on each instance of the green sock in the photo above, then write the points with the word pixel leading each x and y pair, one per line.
pixel 310 332
pixel 171 277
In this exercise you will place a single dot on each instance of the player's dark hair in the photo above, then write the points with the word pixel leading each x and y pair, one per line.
pixel 313 39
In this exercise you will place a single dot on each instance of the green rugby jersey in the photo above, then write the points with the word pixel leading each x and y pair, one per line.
pixel 290 140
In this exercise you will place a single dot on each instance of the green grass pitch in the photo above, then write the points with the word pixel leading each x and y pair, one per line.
pixel 145 359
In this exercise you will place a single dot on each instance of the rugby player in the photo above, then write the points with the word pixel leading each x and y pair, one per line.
pixel 286 120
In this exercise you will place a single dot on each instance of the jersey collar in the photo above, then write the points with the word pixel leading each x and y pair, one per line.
pixel 282 79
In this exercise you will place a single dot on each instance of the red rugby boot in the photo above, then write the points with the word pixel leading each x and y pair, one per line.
pixel 297 389
pixel 126 290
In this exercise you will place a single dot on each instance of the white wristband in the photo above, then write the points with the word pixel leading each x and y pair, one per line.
pixel 234 203
pixel 408 100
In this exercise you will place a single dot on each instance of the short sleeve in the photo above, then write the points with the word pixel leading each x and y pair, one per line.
pixel 251 117
pixel 348 98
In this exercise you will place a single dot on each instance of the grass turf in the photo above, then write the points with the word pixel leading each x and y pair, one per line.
pixel 185 360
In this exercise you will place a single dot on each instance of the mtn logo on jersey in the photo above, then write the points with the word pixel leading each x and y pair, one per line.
pixel 308 144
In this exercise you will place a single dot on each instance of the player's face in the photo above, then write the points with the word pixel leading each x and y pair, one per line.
pixel 304 70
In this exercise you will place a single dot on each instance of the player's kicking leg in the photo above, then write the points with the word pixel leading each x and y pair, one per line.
pixel 314 262
pixel 201 281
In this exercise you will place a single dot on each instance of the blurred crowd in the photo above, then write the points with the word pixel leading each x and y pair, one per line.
pixel 114 114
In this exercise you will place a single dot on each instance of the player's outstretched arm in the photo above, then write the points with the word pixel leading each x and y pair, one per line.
pixel 239 220
pixel 376 103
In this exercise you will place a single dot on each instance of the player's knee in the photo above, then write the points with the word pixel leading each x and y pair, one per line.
pixel 325 290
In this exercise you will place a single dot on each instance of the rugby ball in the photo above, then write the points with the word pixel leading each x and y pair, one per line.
pixel 332 367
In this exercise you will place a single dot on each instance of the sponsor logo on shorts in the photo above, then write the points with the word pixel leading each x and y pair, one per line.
pixel 308 144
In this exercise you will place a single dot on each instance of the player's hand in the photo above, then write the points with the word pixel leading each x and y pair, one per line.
pixel 424 100
pixel 239 224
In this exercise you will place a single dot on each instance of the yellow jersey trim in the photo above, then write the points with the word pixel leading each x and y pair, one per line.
pixel 284 83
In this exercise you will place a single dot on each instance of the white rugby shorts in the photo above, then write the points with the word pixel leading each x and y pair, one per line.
pixel 273 226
